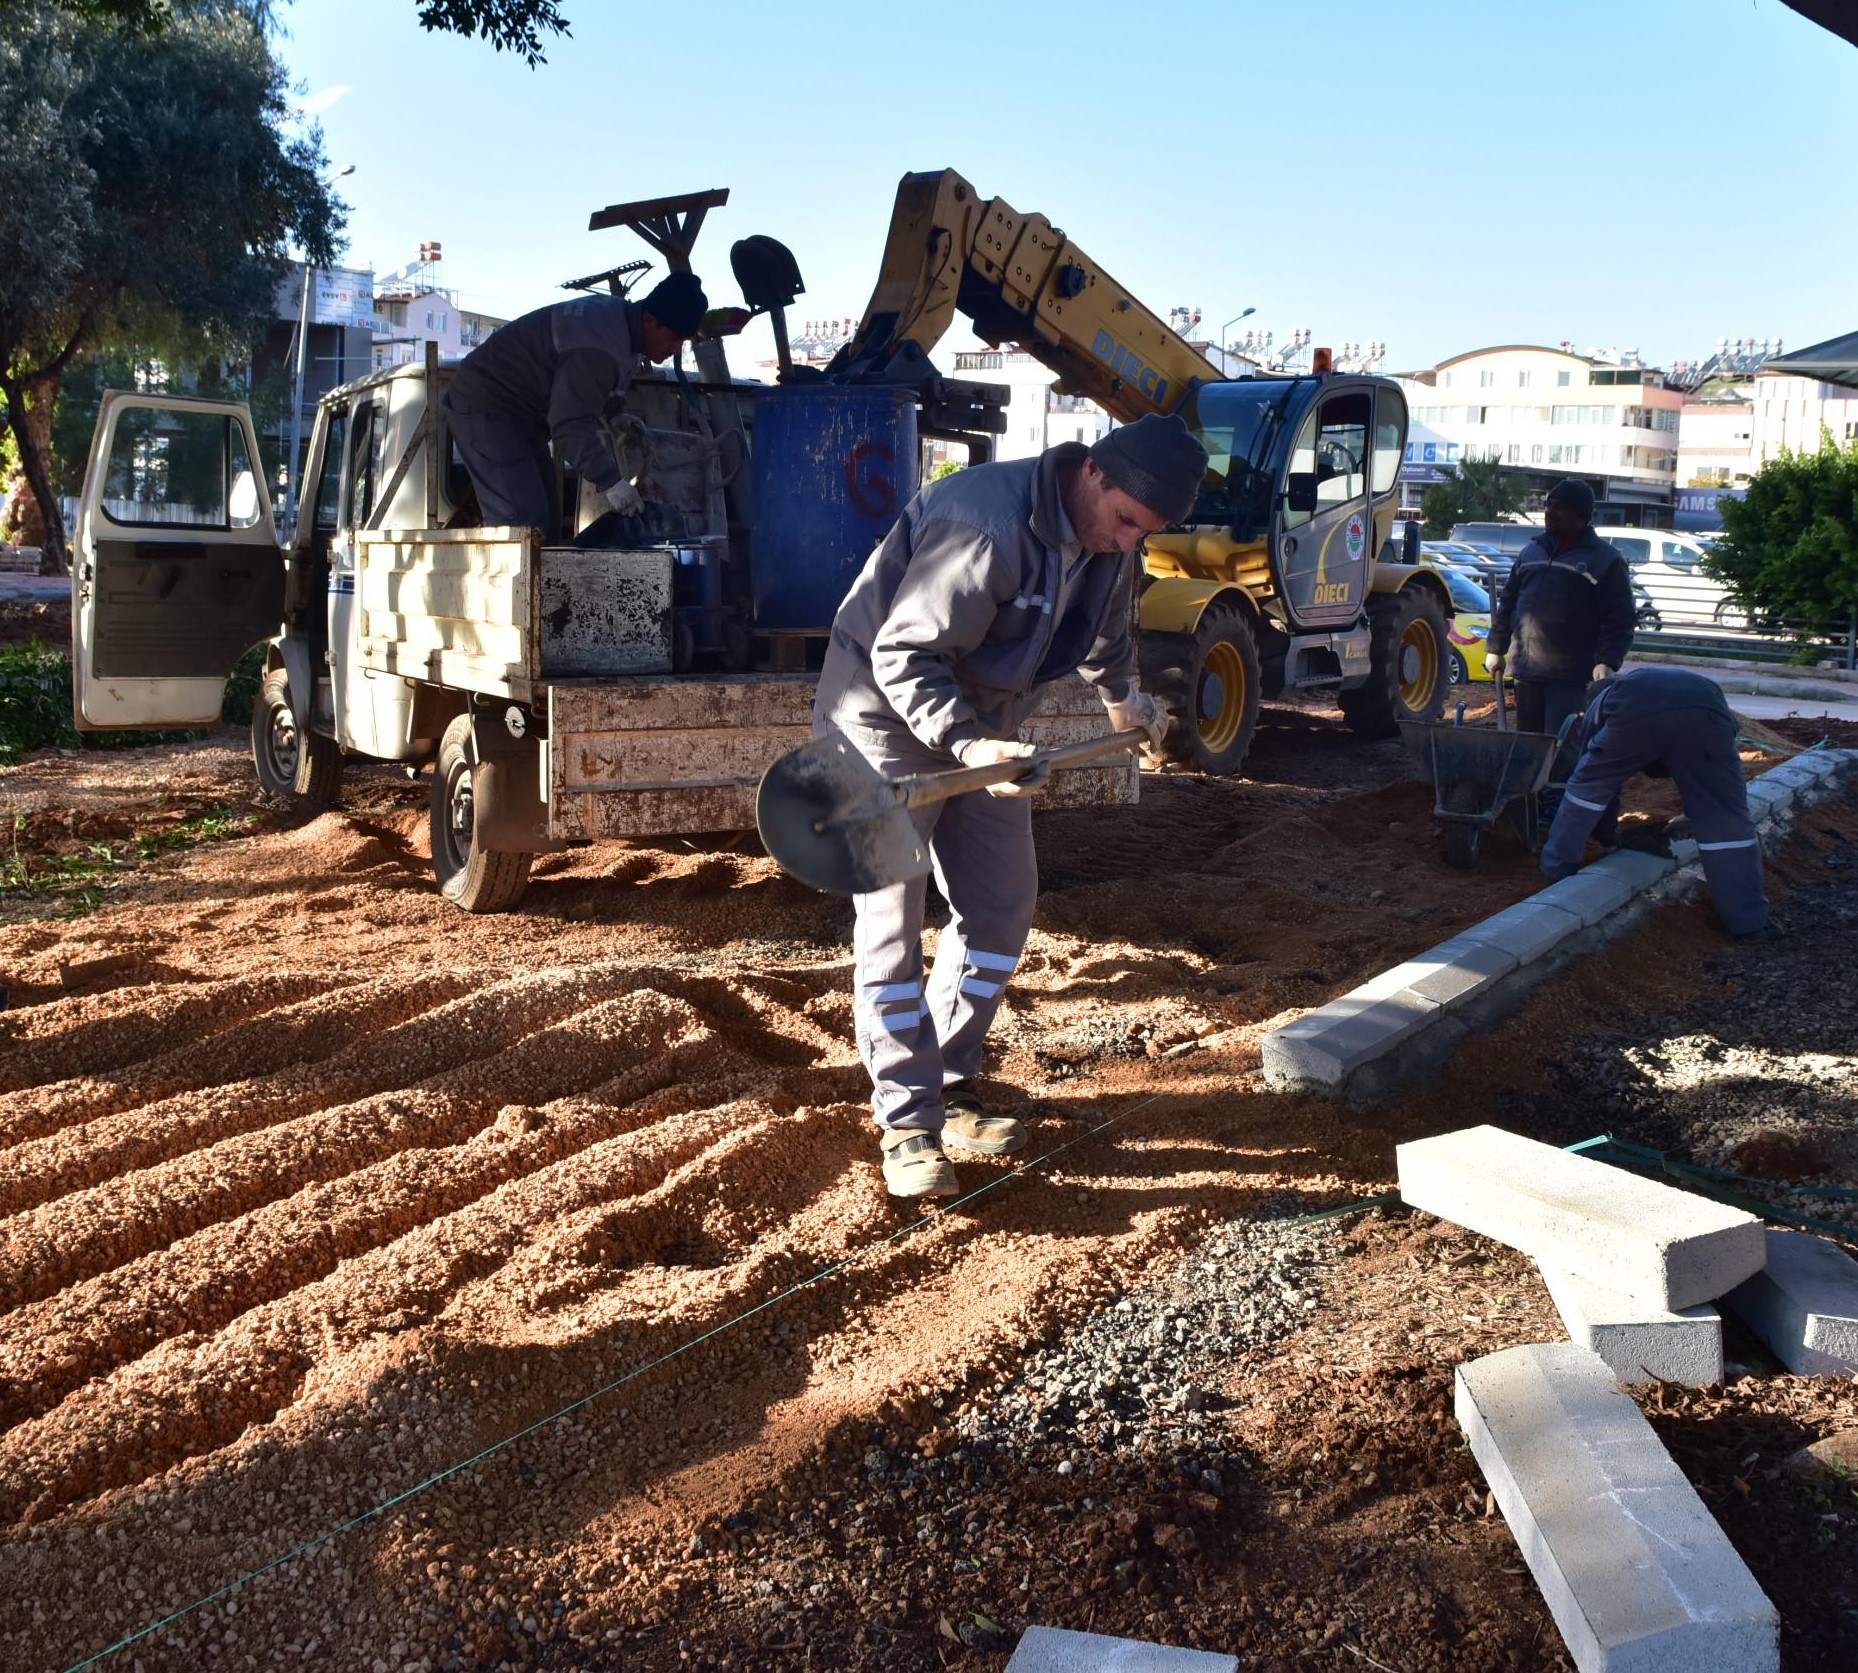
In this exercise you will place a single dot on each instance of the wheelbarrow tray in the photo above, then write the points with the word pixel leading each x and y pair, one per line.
pixel 1477 771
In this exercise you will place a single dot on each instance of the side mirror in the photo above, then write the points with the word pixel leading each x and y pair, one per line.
pixel 1409 544
pixel 1300 491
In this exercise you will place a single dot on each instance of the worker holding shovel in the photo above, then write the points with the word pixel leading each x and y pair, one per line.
pixel 994 582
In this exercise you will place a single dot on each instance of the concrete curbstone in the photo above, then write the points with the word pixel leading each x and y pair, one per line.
pixel 1055 1650
pixel 1685 852
pixel 1526 930
pixel 1638 871
pixel 1325 1046
pixel 1651 1244
pixel 1590 894
pixel 1447 974
pixel 1803 1304
pixel 1633 1568
pixel 1639 1344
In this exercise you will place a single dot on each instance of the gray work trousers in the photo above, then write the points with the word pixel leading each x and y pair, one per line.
pixel 1697 747
pixel 917 1038
pixel 511 468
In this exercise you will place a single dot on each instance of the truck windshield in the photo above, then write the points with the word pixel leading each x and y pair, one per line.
pixel 1238 424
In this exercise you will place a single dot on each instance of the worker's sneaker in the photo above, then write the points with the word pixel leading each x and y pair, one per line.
pixel 970 1127
pixel 914 1165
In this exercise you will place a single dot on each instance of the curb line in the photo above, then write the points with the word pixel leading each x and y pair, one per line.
pixel 1404 1024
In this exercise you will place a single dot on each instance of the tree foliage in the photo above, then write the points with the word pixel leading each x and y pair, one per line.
pixel 1480 491
pixel 148 196
pixel 1790 549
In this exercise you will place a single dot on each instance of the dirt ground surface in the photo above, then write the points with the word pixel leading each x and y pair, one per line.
pixel 312 1188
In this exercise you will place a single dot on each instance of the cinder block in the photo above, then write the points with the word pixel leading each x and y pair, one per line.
pixel 1650 1243
pixel 1637 871
pixel 1634 1569
pixel 1526 930
pixel 1639 1344
pixel 1054 1650
pixel 1327 1045
pixel 1448 974
pixel 1804 1305
pixel 1590 894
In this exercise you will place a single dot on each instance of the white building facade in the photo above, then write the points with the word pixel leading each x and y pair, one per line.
pixel 1037 417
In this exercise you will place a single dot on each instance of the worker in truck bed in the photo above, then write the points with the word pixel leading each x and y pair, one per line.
pixel 1564 617
pixel 1671 723
pixel 554 375
pixel 994 582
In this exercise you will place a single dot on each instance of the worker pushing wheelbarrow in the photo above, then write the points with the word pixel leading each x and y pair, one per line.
pixel 1482 776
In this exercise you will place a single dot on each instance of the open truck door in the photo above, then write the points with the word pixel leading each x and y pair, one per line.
pixel 178 571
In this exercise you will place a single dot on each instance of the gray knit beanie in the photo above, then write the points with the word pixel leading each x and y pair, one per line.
pixel 1155 460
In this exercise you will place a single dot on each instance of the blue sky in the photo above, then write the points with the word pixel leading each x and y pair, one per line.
pixel 1440 174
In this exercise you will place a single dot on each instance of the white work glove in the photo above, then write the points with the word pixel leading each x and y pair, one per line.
pixel 624 498
pixel 1493 660
pixel 1139 712
pixel 1602 672
pixel 984 752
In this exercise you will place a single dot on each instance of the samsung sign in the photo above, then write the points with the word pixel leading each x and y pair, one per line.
pixel 1697 509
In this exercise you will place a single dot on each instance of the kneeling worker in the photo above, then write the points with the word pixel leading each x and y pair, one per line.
pixel 995 582
pixel 554 374
pixel 1672 723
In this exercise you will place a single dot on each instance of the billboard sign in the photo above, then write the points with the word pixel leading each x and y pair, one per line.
pixel 1698 510
pixel 345 296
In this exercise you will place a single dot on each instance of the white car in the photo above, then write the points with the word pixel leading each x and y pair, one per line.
pixel 1670 569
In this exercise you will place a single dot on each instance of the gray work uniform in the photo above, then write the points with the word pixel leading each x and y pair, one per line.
pixel 1672 722
pixel 550 375
pixel 978 597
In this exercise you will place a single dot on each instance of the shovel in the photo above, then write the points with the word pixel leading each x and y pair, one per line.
pixel 1503 709
pixel 835 822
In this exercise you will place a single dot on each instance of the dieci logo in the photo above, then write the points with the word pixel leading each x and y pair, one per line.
pixel 1129 368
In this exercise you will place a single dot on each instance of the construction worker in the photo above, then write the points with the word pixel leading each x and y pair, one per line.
pixel 1672 723
pixel 994 582
pixel 555 374
pixel 1566 608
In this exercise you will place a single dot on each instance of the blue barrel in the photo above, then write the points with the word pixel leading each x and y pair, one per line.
pixel 833 468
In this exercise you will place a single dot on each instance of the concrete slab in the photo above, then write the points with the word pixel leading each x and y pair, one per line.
pixel 1325 1046
pixel 1054 1650
pixel 1590 894
pixel 1804 1305
pixel 1447 974
pixel 1639 1344
pixel 1655 1245
pixel 1638 871
pixel 1634 1569
pixel 1526 930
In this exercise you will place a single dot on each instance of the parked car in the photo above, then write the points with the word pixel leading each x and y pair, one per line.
pixel 1505 539
pixel 1469 627
pixel 1645 615
pixel 1668 568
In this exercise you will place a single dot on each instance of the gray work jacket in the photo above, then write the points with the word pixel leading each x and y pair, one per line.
pixel 552 373
pixel 950 628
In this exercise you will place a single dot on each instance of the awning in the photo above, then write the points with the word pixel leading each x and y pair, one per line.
pixel 1840 16
pixel 1833 361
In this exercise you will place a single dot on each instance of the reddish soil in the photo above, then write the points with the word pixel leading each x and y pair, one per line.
pixel 311 1186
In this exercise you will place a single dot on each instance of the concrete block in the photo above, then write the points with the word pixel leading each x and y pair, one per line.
pixel 1804 1305
pixel 1684 851
pixel 1526 930
pixel 1054 1650
pixel 1638 871
pixel 1448 974
pixel 1590 894
pixel 1794 778
pixel 1765 798
pixel 1634 1569
pixel 1652 1244
pixel 1327 1045
pixel 1639 1344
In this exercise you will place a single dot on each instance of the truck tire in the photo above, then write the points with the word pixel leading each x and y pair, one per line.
pixel 290 762
pixel 1406 676
pixel 1209 682
pixel 468 876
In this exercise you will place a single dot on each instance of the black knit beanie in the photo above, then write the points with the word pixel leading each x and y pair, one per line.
pixel 1575 495
pixel 678 304
pixel 1155 460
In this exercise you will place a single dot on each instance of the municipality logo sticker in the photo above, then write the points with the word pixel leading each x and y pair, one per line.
pixel 1357 537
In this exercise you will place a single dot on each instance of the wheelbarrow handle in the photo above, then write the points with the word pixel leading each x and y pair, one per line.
pixel 1503 712
pixel 938 787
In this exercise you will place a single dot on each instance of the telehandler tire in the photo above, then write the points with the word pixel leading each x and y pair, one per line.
pixel 290 762
pixel 1209 681
pixel 469 877
pixel 1407 672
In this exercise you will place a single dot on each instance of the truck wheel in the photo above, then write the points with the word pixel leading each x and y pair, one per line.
pixel 468 876
pixel 1406 674
pixel 291 762
pixel 1209 681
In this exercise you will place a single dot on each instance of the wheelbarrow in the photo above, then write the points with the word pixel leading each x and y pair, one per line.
pixel 1481 776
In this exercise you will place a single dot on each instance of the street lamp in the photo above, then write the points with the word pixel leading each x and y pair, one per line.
pixel 1245 313
pixel 293 467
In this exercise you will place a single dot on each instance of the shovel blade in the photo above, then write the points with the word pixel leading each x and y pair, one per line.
pixel 831 820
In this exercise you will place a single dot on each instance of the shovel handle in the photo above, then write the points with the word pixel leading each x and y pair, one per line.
pixel 938 787
pixel 1503 713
